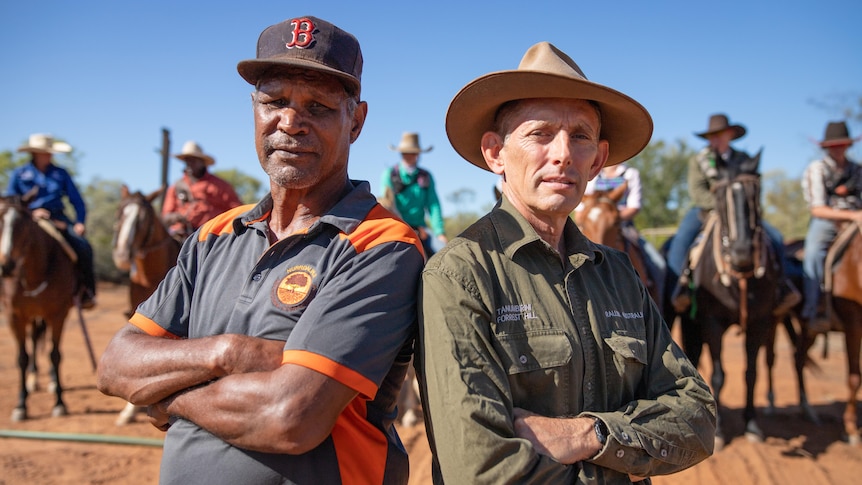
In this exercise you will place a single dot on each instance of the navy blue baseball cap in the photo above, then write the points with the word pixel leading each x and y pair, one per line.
pixel 307 42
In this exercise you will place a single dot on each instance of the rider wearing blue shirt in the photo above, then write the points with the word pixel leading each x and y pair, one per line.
pixel 51 184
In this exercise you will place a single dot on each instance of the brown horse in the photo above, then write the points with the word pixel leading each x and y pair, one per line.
pixel 142 246
pixel 846 305
pixel 599 220
pixel 38 292
pixel 735 281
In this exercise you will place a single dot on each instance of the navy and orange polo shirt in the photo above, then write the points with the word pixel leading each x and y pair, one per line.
pixel 343 298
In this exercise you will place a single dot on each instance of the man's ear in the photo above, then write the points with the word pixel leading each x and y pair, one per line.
pixel 358 120
pixel 492 144
pixel 601 158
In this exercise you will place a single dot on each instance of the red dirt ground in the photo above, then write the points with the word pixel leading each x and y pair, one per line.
pixel 794 452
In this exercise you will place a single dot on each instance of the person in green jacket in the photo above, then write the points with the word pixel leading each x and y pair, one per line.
pixel 415 197
pixel 542 357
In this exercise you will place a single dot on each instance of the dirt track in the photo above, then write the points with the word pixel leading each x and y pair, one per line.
pixel 795 451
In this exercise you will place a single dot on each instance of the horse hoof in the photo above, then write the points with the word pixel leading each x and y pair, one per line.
pixel 127 415
pixel 32 383
pixel 409 419
pixel 753 437
pixel 59 410
pixel 719 444
pixel 19 414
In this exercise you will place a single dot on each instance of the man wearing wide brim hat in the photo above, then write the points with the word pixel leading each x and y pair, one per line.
pixel 718 161
pixel 198 195
pixel 521 315
pixel 832 187
pixel 415 197
pixel 54 184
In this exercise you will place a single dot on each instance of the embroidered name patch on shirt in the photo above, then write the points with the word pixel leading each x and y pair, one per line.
pixel 514 313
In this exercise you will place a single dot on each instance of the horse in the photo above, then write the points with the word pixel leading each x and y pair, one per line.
pixel 844 303
pixel 735 280
pixel 38 292
pixel 599 220
pixel 144 247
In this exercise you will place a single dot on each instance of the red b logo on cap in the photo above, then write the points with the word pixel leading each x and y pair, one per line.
pixel 303 33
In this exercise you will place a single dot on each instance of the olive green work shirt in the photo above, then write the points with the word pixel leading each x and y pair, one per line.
pixel 505 322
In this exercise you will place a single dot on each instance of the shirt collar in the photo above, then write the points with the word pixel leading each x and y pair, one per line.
pixel 515 232
pixel 345 215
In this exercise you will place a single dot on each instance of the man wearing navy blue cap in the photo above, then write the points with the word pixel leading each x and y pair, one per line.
pixel 275 350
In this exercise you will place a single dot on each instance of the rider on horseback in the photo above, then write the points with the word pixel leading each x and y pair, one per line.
pixel 51 183
pixel 629 205
pixel 715 162
pixel 832 186
pixel 198 196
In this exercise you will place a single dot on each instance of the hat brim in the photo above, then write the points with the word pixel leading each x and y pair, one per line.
pixel 206 158
pixel 738 132
pixel 838 142
pixel 410 150
pixel 57 147
pixel 252 69
pixel 626 125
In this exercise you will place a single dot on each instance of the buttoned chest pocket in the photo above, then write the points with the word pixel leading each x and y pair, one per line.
pixel 538 365
pixel 627 352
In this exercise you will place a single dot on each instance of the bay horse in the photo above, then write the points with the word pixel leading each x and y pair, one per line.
pixel 844 301
pixel 38 292
pixel 735 281
pixel 143 246
pixel 599 220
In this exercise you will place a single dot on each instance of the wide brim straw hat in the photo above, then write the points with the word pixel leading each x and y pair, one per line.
pixel 544 72
pixel 410 144
pixel 836 134
pixel 44 143
pixel 719 122
pixel 192 150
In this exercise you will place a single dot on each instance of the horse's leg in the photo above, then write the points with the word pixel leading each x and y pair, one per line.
pixel 802 344
pixel 20 411
pixel 713 335
pixel 852 339
pixel 56 332
pixel 770 365
pixel 127 415
pixel 37 334
pixel 408 399
pixel 752 347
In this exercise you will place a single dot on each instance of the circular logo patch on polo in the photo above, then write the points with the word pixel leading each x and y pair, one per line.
pixel 294 289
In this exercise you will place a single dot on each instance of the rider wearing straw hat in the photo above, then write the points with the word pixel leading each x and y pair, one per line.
pixel 414 193
pixel 199 195
pixel 52 184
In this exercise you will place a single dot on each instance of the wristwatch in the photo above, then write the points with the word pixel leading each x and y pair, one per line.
pixel 601 431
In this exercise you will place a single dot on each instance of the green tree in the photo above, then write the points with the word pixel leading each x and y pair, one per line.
pixel 784 205
pixel 246 186
pixel 103 198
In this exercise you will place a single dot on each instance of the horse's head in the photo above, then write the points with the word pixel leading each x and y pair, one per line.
pixel 599 217
pixel 14 228
pixel 737 203
pixel 134 223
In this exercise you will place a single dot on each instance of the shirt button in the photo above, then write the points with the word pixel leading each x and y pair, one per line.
pixel 620 453
pixel 664 453
pixel 589 386
pixel 256 277
pixel 523 359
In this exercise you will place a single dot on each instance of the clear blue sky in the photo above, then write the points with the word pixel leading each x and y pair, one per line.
pixel 107 76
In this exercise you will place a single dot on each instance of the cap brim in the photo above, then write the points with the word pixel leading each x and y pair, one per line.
pixel 626 124
pixel 252 69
